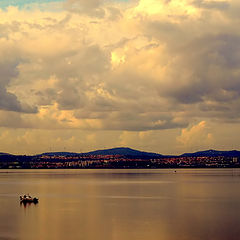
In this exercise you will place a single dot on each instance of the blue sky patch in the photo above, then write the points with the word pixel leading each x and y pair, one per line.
pixel 22 3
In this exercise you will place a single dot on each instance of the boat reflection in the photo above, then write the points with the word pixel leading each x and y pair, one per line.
pixel 26 204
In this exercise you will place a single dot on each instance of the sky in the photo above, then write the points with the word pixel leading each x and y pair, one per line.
pixel 154 75
pixel 23 3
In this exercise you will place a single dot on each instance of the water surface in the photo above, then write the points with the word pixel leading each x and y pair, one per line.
pixel 121 204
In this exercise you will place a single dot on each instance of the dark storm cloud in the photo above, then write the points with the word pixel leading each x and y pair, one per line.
pixel 80 76
pixel 87 60
pixel 8 101
pixel 45 97
pixel 213 72
pixel 69 99
pixel 75 72
pixel 134 121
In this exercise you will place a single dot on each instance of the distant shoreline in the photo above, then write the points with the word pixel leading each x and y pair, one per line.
pixel 121 158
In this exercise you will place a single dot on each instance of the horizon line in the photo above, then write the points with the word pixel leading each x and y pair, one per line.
pixel 112 148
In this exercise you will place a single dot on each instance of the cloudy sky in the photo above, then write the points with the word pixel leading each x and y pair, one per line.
pixel 155 75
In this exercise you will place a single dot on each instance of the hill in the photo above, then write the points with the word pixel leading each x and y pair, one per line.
pixel 136 153
pixel 65 154
pixel 113 151
pixel 1 154
pixel 213 153
pixel 123 151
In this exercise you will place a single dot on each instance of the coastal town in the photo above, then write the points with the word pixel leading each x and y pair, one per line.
pixel 118 161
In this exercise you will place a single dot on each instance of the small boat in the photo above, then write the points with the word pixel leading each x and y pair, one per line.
pixel 28 199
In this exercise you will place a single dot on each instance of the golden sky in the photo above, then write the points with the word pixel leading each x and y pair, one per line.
pixel 155 75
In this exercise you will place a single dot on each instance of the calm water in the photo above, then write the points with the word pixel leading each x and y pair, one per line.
pixel 121 204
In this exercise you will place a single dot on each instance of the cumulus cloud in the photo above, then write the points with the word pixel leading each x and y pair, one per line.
pixel 220 5
pixel 90 7
pixel 9 101
pixel 196 137
pixel 138 66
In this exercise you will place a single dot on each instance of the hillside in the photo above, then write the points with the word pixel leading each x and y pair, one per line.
pixel 1 154
pixel 58 154
pixel 113 151
pixel 213 153
pixel 136 153
pixel 122 151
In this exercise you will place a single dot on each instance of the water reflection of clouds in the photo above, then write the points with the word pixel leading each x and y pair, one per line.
pixel 119 207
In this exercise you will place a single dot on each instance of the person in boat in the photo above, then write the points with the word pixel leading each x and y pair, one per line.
pixel 28 199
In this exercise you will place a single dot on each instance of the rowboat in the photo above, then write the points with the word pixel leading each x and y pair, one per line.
pixel 28 199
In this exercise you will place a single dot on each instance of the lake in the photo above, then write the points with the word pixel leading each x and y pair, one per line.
pixel 157 204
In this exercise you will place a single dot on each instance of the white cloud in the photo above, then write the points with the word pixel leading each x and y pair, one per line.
pixel 196 137
pixel 133 67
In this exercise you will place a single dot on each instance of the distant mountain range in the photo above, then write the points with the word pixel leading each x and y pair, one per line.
pixel 113 151
pixel 135 153
pixel 122 151
pixel 213 153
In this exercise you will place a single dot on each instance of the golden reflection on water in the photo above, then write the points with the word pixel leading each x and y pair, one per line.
pixel 121 205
